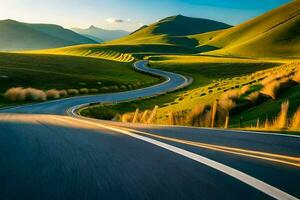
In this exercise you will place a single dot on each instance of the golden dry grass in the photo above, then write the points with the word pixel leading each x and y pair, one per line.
pixel 295 122
pixel 271 89
pixel 53 94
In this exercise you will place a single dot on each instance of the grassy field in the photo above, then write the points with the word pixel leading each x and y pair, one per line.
pixel 93 51
pixel 273 34
pixel 206 72
pixel 120 52
pixel 172 30
pixel 64 72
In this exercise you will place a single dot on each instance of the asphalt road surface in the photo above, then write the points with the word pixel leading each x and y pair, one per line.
pixel 47 152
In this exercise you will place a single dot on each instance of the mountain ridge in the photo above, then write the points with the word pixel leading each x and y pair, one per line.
pixel 101 34
pixel 15 35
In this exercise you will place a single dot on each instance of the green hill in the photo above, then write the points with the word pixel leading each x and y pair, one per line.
pixel 274 34
pixel 172 30
pixel 67 72
pixel 100 34
pixel 172 35
pixel 16 35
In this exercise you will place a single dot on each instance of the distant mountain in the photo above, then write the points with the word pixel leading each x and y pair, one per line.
pixel 172 30
pixel 100 34
pixel 16 35
pixel 274 34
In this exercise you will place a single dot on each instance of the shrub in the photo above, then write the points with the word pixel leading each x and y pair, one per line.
pixel 297 76
pixel 227 104
pixel 123 87
pixel 281 120
pixel 295 123
pixel 253 97
pixel 153 115
pixel 231 94
pixel 195 114
pixel 15 94
pixel 114 87
pixel 35 94
pixel 245 89
pixel 93 90
pixel 136 116
pixel 271 89
pixel 73 92
pixel 144 116
pixel 104 88
pixel 267 124
pixel 21 94
pixel 83 91
pixel 127 117
pixel 63 93
pixel 53 94
pixel 171 120
pixel 268 80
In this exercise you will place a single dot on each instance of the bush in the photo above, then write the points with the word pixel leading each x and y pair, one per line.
pixel 253 97
pixel 104 88
pixel 231 94
pixel 127 117
pixel 227 104
pixel 123 87
pixel 268 80
pixel 53 94
pixel 93 90
pixel 73 92
pixel 63 93
pixel 297 76
pixel 281 120
pixel 271 89
pixel 295 124
pixel 35 94
pixel 21 94
pixel 114 87
pixel 15 94
pixel 195 114
pixel 245 89
pixel 83 91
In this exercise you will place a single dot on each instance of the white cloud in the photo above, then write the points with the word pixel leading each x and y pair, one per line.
pixel 115 21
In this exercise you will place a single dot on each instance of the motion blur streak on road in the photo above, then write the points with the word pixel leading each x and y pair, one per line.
pixel 45 154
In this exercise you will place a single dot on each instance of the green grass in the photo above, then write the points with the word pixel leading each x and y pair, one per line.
pixel 273 34
pixel 63 72
pixel 204 70
pixel 172 30
pixel 270 108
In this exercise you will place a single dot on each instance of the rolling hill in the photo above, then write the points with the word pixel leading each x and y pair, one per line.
pixel 16 35
pixel 99 34
pixel 274 34
pixel 172 30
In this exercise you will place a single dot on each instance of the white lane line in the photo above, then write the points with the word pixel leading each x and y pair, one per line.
pixel 245 178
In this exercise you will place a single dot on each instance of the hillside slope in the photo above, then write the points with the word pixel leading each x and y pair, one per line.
pixel 172 30
pixel 274 34
pixel 16 35
pixel 100 34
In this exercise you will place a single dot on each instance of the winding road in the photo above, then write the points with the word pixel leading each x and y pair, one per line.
pixel 48 152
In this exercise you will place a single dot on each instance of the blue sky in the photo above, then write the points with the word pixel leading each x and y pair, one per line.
pixel 130 14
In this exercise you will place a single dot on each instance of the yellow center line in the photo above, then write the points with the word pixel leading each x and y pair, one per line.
pixel 295 161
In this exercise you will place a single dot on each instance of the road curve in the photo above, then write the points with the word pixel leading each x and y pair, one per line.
pixel 45 154
pixel 173 82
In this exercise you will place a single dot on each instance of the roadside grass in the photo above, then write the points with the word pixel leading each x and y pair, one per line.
pixel 269 109
pixel 206 72
pixel 60 72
